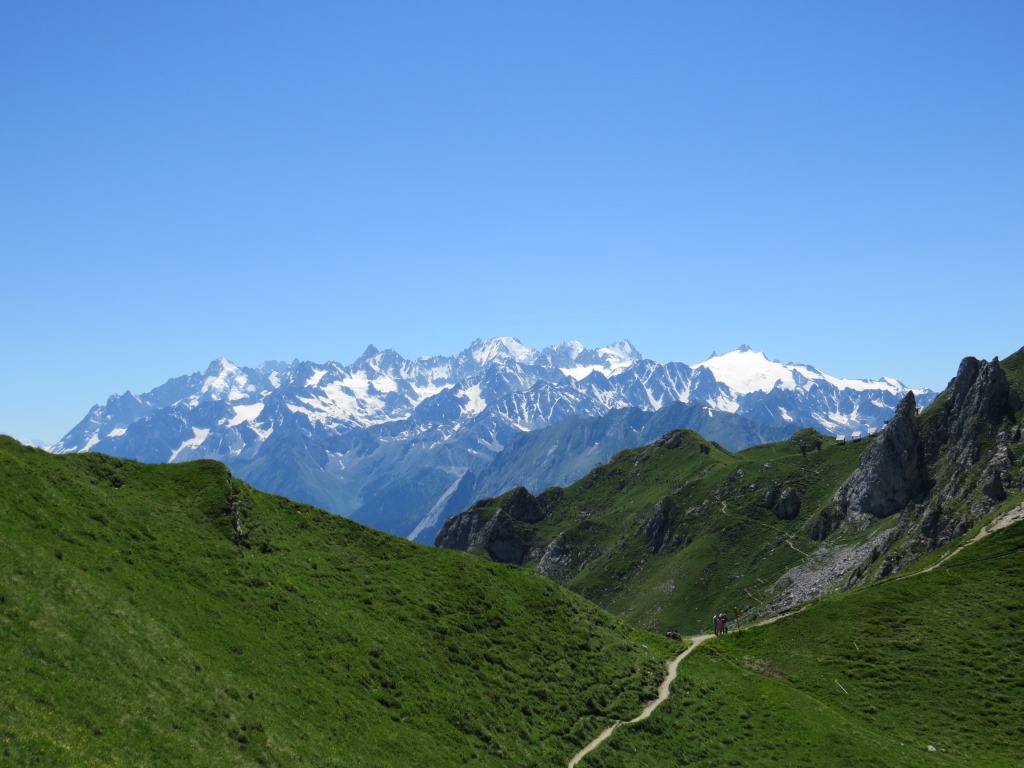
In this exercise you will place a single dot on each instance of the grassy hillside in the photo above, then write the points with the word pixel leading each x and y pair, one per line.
pixel 1014 367
pixel 671 533
pixel 668 534
pixel 565 451
pixel 170 615
pixel 866 678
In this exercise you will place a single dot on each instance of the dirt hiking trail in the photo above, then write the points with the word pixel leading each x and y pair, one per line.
pixel 663 691
pixel 1005 520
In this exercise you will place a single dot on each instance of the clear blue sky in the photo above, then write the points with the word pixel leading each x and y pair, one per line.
pixel 840 184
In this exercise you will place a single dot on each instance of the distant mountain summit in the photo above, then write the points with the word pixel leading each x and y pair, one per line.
pixel 792 388
pixel 395 442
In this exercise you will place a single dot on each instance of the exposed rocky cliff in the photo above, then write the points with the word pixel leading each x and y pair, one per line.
pixel 892 471
pixel 968 441
pixel 978 399
pixel 941 471
pixel 949 466
pixel 501 534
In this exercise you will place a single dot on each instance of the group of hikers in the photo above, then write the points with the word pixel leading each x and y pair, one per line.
pixel 721 623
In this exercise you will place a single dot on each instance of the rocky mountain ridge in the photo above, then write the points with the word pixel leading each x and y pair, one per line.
pixel 392 441
pixel 811 514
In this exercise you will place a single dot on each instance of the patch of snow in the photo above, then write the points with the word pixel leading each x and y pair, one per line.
pixel 475 401
pixel 422 393
pixel 117 432
pixel 313 380
pixel 245 413
pixel 722 402
pixel 385 384
pixel 263 434
pixel 359 383
pixel 198 437
pixel 581 372
pixel 574 347
pixel 620 355
pixel 93 439
pixel 435 511
pixel 339 402
pixel 863 385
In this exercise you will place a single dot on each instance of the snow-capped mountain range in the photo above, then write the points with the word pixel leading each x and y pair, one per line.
pixel 389 440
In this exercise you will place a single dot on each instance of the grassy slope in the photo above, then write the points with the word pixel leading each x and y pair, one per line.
pixel 134 631
pixel 865 678
pixel 1014 368
pixel 734 547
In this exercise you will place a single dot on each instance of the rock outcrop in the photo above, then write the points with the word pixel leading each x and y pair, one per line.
pixel 784 502
pixel 789 505
pixel 505 534
pixel 892 471
pixel 978 399
pixel 656 528
pixel 967 437
pixel 944 469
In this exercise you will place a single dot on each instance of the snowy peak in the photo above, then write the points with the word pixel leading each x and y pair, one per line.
pixel 621 354
pixel 224 381
pixel 608 360
pixel 369 353
pixel 744 371
pixel 499 349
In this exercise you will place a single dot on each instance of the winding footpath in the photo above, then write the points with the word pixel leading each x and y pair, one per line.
pixel 1010 517
pixel 663 691
pixel 1007 519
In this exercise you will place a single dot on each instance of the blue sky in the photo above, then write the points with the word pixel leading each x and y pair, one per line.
pixel 840 184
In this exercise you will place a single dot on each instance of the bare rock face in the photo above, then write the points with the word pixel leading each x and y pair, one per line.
pixel 505 535
pixel 956 462
pixel 459 531
pixel 522 505
pixel 978 405
pixel 505 542
pixel 992 485
pixel 789 505
pixel 656 531
pixel 978 397
pixel 784 502
pixel 892 471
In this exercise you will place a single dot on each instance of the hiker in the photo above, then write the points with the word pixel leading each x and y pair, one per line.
pixel 725 623
pixel 717 618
